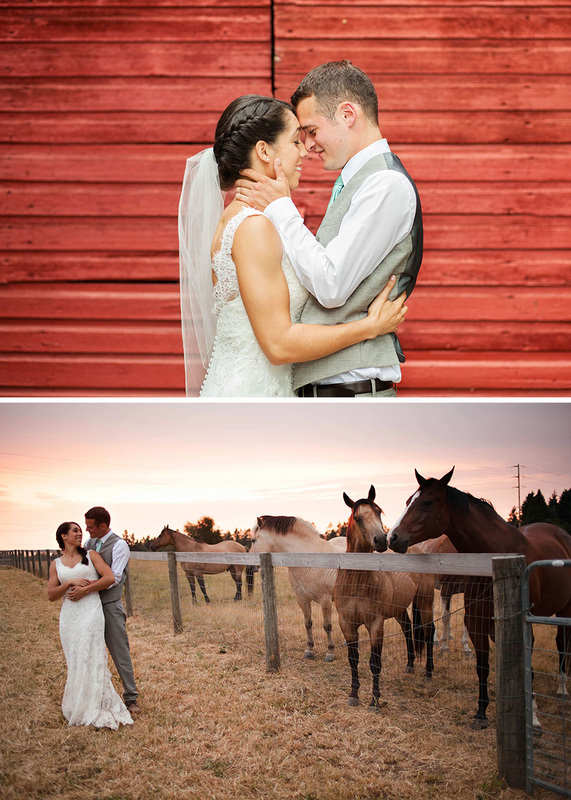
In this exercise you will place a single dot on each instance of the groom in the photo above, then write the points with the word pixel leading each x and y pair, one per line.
pixel 372 229
pixel 115 553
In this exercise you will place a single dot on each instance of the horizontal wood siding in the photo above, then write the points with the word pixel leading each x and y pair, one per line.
pixel 474 97
pixel 101 104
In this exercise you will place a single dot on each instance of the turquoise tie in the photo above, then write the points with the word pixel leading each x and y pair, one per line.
pixel 98 546
pixel 337 186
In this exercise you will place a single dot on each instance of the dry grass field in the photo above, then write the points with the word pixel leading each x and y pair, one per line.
pixel 216 725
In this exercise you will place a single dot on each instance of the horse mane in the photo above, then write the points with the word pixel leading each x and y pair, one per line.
pixel 282 525
pixel 460 503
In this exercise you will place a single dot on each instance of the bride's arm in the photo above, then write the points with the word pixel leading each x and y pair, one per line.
pixel 257 253
pixel 106 580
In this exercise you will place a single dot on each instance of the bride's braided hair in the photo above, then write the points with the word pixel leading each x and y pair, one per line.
pixel 247 120
pixel 64 528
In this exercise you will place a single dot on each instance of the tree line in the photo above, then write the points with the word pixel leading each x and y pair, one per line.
pixel 535 508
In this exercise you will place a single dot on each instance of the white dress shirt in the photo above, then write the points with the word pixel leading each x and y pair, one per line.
pixel 380 216
pixel 119 557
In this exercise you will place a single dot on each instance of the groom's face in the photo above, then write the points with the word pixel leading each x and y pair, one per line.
pixel 95 531
pixel 325 137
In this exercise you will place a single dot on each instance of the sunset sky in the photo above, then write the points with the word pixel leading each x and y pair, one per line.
pixel 153 463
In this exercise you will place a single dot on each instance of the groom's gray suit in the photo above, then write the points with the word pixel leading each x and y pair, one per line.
pixel 116 637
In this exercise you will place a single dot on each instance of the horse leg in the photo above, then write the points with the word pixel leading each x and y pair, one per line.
pixel 403 620
pixel 200 580
pixel 305 606
pixel 481 644
pixel 353 653
pixel 236 573
pixel 428 628
pixel 466 642
pixel 328 628
pixel 190 577
pixel 446 629
pixel 375 666
pixel 563 640
pixel 250 570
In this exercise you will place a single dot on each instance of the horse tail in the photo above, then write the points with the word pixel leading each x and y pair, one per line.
pixel 250 572
pixel 417 630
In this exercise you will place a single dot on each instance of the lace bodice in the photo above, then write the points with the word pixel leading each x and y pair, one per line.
pixel 89 696
pixel 238 367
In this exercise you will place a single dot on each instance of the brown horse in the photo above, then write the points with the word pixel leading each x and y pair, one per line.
pixel 473 526
pixel 186 544
pixel 369 598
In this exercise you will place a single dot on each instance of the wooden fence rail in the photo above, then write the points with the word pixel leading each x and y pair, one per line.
pixel 505 572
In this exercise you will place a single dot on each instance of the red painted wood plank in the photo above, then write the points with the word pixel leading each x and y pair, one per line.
pixel 527 267
pixel 383 57
pixel 485 371
pixel 449 93
pixel 71 4
pixel 436 22
pixel 47 336
pixel 119 24
pixel 400 3
pixel 83 372
pixel 161 199
pixel 165 163
pixel 410 127
pixel 461 232
pixel 158 59
pixel 161 302
pixel 87 266
pixel 411 93
pixel 469 373
pixel 127 94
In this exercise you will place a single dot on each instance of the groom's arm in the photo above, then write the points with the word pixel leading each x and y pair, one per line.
pixel 380 216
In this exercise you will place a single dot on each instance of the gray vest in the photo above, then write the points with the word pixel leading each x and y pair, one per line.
pixel 106 553
pixel 403 261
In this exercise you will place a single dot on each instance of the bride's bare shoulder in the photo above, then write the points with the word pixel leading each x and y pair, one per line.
pixel 257 232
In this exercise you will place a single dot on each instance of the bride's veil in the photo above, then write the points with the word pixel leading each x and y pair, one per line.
pixel 201 205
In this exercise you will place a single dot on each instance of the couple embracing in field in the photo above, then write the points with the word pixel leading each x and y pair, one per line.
pixel 272 310
pixel 90 580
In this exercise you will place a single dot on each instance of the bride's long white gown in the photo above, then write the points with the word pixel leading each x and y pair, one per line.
pixel 238 366
pixel 89 697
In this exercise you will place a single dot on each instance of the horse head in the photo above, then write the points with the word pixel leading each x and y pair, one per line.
pixel 163 540
pixel 425 516
pixel 365 530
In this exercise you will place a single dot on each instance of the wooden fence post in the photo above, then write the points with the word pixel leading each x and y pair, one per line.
pixel 128 595
pixel 510 689
pixel 270 607
pixel 40 570
pixel 175 594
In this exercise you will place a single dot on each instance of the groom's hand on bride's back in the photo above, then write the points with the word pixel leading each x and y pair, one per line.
pixel 258 191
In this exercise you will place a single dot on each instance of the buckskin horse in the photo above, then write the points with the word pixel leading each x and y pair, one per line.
pixel 368 598
pixel 473 526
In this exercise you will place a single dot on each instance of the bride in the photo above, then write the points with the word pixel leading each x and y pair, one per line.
pixel 78 576
pixel 241 301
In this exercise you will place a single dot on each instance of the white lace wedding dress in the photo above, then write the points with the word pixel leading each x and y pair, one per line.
pixel 238 366
pixel 89 697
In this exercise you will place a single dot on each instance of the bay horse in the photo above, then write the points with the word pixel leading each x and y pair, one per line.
pixel 369 598
pixel 310 584
pixel 186 544
pixel 473 526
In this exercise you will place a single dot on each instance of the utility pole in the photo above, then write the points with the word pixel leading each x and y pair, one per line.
pixel 517 466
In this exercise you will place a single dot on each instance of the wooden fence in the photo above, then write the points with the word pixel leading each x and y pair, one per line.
pixel 505 571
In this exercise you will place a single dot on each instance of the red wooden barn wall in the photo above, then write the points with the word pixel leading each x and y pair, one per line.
pixel 103 103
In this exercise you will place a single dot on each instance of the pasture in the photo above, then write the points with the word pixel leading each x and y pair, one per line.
pixel 216 725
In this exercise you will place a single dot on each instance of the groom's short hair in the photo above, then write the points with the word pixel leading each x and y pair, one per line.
pixel 99 515
pixel 333 83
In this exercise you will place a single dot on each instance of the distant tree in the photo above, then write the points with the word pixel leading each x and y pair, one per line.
pixel 534 509
pixel 242 537
pixel 564 509
pixel 129 538
pixel 204 531
pixel 339 530
pixel 557 511
pixel 513 518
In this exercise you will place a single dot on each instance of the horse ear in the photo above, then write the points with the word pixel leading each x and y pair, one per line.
pixel 348 501
pixel 259 522
pixel 446 478
pixel 372 494
pixel 419 478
